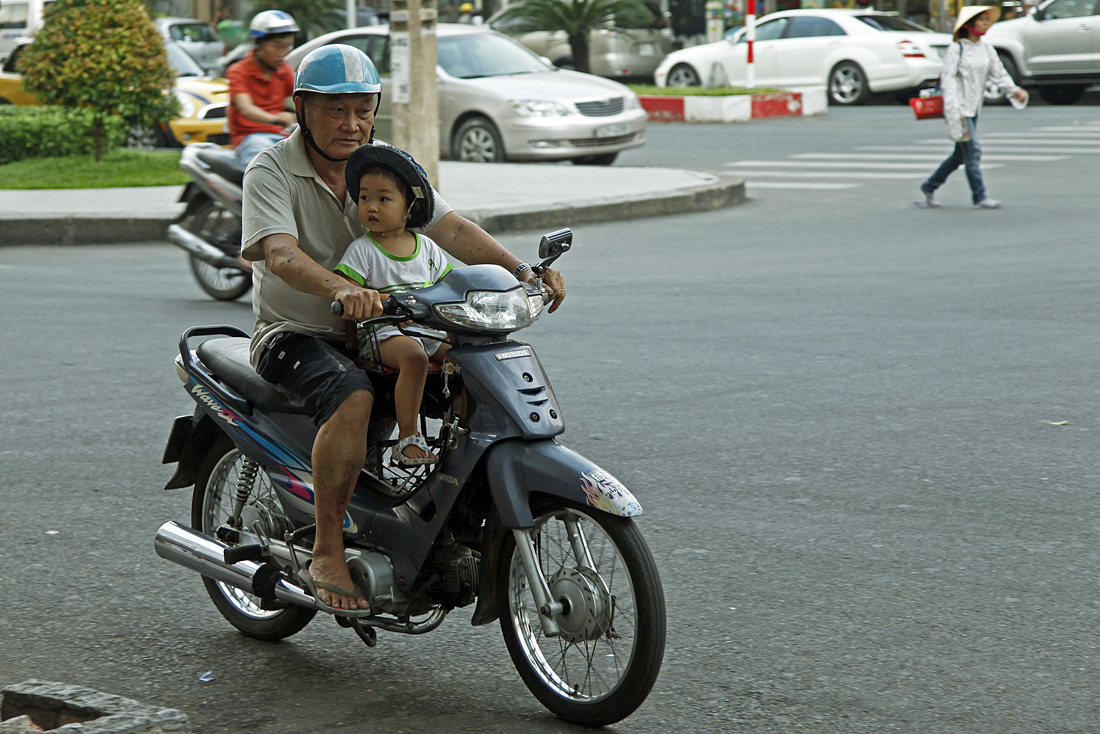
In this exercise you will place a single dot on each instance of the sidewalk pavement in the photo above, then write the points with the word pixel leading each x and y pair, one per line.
pixel 498 196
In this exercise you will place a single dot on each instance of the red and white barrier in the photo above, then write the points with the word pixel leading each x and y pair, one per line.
pixel 734 108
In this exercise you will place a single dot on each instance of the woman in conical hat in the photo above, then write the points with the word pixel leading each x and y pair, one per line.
pixel 968 66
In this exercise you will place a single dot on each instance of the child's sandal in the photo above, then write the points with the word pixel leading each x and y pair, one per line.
pixel 414 440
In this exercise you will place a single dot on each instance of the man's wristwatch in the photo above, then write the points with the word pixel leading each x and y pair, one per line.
pixel 519 270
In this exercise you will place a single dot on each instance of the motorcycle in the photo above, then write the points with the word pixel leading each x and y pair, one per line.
pixel 509 519
pixel 209 229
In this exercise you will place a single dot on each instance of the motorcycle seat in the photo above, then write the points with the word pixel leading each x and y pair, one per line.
pixel 227 358
pixel 224 163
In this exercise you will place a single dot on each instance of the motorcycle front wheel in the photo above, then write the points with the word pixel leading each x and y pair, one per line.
pixel 222 229
pixel 607 657
pixel 211 505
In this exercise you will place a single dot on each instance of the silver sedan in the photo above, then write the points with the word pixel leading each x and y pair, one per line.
pixel 499 101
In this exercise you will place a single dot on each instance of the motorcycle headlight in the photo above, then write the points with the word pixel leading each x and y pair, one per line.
pixel 503 311
pixel 538 108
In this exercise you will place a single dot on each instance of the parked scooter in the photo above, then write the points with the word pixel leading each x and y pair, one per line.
pixel 540 538
pixel 210 227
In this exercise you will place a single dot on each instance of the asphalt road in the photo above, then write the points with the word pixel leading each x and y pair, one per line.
pixel 863 435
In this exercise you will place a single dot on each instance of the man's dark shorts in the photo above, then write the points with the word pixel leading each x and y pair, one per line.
pixel 313 373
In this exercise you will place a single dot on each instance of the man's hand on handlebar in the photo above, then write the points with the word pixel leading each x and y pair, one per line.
pixel 359 303
pixel 552 282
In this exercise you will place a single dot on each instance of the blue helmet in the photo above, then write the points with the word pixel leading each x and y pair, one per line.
pixel 337 69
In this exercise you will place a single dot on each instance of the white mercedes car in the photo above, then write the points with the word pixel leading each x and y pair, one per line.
pixel 853 52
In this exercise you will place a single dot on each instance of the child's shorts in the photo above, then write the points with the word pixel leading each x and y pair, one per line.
pixel 382 333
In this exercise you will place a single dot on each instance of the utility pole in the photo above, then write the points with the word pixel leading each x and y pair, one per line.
pixel 414 93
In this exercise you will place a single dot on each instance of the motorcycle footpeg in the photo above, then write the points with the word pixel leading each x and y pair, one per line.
pixel 244 553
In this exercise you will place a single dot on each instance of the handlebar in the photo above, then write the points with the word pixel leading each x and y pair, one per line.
pixel 390 307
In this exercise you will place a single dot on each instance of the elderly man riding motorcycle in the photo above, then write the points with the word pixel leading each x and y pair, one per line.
pixel 297 222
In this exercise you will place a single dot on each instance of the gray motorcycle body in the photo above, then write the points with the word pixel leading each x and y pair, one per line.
pixel 510 437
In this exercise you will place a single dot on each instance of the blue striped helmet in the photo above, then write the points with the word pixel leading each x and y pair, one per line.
pixel 337 69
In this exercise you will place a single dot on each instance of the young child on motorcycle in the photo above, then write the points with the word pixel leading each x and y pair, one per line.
pixel 393 196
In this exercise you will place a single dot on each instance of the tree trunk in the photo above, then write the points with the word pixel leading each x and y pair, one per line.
pixel 97 136
pixel 579 43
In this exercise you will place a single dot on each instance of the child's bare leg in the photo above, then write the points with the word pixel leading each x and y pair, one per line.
pixel 407 356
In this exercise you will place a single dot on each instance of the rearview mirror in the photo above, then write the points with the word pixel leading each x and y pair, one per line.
pixel 555 243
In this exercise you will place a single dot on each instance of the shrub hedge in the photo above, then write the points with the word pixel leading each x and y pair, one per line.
pixel 42 132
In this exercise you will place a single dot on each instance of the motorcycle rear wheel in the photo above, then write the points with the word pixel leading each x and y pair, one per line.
pixel 223 230
pixel 211 505
pixel 607 659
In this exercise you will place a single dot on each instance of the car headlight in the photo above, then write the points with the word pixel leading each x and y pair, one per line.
pixel 538 108
pixel 504 311
pixel 187 107
pixel 631 102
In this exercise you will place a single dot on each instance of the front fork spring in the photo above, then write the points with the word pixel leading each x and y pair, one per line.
pixel 246 479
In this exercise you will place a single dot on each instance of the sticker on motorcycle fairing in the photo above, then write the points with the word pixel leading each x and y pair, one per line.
pixel 513 354
pixel 605 492
pixel 207 399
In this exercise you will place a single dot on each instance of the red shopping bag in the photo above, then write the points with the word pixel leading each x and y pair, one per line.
pixel 927 108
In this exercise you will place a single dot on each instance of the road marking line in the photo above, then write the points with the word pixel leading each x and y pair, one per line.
pixel 985 149
pixel 829 174
pixel 825 164
pixel 1025 141
pixel 928 157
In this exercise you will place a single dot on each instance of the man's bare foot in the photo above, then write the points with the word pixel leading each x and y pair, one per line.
pixel 334 585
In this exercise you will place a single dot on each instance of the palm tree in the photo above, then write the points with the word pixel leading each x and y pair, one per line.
pixel 577 18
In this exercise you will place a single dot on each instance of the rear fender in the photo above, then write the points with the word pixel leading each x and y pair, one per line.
pixel 193 196
pixel 189 441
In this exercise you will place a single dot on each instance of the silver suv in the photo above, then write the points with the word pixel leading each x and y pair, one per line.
pixel 1056 49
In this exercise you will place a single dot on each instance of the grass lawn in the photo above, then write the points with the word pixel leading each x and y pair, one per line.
pixel 121 167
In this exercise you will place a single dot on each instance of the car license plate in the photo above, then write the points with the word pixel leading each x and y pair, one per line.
pixel 647 49
pixel 610 131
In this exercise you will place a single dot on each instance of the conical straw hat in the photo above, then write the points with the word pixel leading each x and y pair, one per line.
pixel 969 12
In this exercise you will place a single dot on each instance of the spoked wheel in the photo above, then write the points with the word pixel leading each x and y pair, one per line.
pixel 604 663
pixel 222 229
pixel 211 505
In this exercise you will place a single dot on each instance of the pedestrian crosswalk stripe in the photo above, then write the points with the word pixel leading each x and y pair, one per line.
pixel 1042 142
pixel 947 147
pixel 827 174
pixel 925 157
pixel 829 164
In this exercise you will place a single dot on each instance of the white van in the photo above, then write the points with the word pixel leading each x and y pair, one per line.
pixel 18 18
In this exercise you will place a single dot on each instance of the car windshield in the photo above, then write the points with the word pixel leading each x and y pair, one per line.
pixel 182 63
pixel 486 54
pixel 892 23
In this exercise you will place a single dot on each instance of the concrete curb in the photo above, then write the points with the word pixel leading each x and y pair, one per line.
pixel 67 230
pixel 525 200
pixel 36 705
pixel 735 108
pixel 717 191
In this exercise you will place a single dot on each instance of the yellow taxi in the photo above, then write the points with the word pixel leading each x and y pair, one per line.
pixel 203 101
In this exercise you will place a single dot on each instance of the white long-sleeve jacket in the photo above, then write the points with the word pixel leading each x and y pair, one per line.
pixel 967 67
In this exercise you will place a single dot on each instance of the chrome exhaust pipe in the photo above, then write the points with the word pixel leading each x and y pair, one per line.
pixel 200 248
pixel 198 552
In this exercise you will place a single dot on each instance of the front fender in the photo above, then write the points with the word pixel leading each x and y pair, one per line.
pixel 515 469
